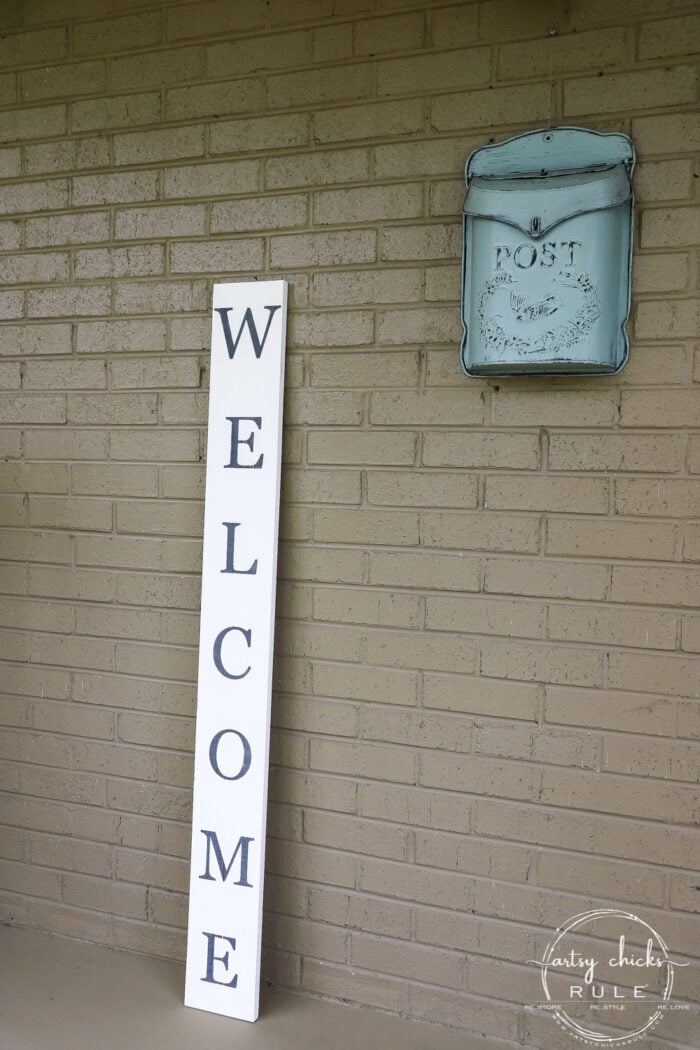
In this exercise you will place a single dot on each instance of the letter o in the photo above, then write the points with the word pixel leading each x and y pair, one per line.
pixel 517 255
pixel 214 754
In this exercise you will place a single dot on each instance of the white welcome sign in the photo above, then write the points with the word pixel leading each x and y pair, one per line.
pixel 235 652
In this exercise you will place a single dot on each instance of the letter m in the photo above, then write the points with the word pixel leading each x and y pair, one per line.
pixel 249 323
pixel 225 869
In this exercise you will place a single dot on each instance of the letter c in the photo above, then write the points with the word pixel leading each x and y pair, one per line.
pixel 217 651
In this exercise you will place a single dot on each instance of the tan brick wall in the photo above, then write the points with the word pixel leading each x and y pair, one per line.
pixel 487 706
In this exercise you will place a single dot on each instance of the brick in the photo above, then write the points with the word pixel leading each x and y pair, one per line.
pixel 54 512
pixel 413 883
pixel 608 793
pixel 118 111
pixel 661 759
pixel 161 145
pixel 616 626
pixel 630 91
pixel 118 336
pixel 363 369
pixel 647 673
pixel 365 527
pixel 312 87
pixel 368 204
pixel 659 497
pixel 124 34
pixel 359 912
pixel 670 227
pixel 91 190
pixel 447 69
pixel 554 408
pixel 514 533
pixel 353 288
pixel 480 615
pixel 363 448
pixel 115 480
pixel 662 181
pixel 577 495
pixel 667 320
pixel 611 539
pixel 67 154
pixel 363 760
pixel 332 41
pixel 68 302
pixel 416 729
pixel 406 649
pixel 72 652
pixel 37 616
pixel 667 38
pixel 223 255
pixel 60 230
pixel 259 213
pixel 425 325
pixel 613 880
pixel 40 45
pixel 66 444
pixel 690 634
pixel 64 375
pixel 660 453
pixel 468 1012
pixel 34 123
pixel 176 445
pixel 420 571
pixel 332 329
pixel 209 100
pixel 207 180
pixel 319 168
pixel 323 249
pixel 251 135
pixel 356 836
pixel 129 72
pixel 494 106
pixel 44 338
pixel 318 407
pixel 112 408
pixel 546 579
pixel 539 663
pixel 421 489
pixel 401 407
pixel 184 220
pixel 370 120
pixel 459 449
pixel 365 683
pixel 404 960
pixel 670 133
pixel 625 712
pixel 323 486
pixel 539 745
pixel 271 51
pixel 659 272
pixel 136 261
pixel 81 78
pixel 649 408
pixel 563 53
pixel 477 775
pixel 28 197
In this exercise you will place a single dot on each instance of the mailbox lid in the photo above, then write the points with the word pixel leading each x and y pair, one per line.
pixel 536 205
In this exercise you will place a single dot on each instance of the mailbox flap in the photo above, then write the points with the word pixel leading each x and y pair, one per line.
pixel 535 205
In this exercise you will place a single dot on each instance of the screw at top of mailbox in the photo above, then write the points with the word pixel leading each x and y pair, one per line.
pixel 547 254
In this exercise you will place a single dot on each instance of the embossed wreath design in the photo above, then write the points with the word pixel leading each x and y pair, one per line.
pixel 561 337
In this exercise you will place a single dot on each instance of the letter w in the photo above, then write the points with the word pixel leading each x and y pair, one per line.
pixel 225 869
pixel 248 319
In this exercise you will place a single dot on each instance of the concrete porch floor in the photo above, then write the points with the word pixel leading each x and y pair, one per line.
pixel 60 994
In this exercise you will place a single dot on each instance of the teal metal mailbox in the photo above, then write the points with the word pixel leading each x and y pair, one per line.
pixel 547 254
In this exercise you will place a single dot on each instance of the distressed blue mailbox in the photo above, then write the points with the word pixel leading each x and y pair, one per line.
pixel 547 254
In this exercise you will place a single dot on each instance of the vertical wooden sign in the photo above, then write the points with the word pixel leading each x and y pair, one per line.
pixel 235 650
